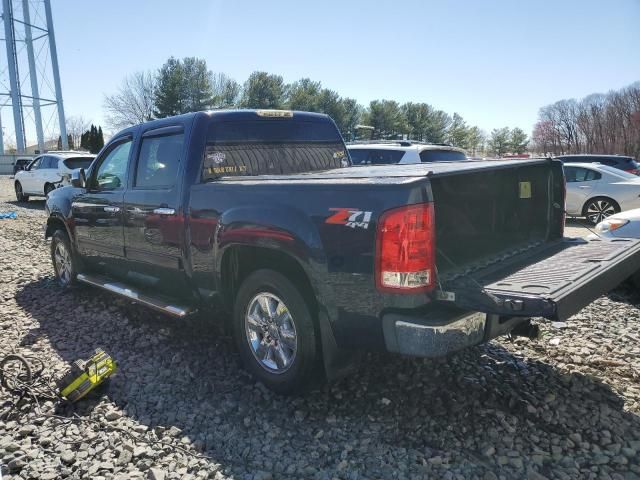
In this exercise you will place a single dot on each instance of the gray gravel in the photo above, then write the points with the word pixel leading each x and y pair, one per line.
pixel 180 407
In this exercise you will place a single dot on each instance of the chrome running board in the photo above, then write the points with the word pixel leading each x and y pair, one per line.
pixel 130 293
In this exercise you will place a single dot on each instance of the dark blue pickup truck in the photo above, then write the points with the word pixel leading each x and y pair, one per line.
pixel 260 214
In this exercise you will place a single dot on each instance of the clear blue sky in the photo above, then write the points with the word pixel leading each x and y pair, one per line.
pixel 496 62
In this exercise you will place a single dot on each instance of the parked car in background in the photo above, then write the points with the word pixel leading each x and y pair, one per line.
pixel 621 225
pixel 596 191
pixel 628 164
pixel 21 164
pixel 46 171
pixel 403 152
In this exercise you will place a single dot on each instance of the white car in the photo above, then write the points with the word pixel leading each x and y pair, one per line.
pixel 385 152
pixel 46 171
pixel 596 191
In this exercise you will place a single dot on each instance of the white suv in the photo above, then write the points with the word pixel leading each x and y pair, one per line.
pixel 47 171
pixel 385 152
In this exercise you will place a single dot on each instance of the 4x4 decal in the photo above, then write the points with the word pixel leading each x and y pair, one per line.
pixel 351 217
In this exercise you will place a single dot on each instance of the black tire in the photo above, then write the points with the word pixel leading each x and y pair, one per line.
pixel 59 244
pixel 303 371
pixel 598 208
pixel 48 188
pixel 20 196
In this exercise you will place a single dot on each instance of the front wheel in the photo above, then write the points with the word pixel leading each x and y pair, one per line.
pixel 20 196
pixel 48 188
pixel 597 209
pixel 64 263
pixel 275 333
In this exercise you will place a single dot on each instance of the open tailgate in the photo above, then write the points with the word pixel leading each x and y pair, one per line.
pixel 555 282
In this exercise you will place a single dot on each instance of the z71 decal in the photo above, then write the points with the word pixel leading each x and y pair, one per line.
pixel 351 217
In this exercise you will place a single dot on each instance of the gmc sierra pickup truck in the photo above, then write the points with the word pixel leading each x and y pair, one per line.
pixel 259 213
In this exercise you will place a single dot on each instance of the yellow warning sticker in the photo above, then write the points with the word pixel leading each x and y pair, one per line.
pixel 525 189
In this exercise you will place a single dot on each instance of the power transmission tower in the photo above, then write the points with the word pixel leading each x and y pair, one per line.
pixel 36 106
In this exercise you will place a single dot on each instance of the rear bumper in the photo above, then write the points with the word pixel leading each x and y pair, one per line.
pixel 443 331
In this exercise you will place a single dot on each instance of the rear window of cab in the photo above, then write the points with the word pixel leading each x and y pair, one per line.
pixel 272 146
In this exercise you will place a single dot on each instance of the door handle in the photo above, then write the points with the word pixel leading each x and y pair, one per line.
pixel 112 209
pixel 164 211
pixel 584 186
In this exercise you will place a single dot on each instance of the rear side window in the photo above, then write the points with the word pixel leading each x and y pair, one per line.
pixel 272 147
pixel 365 156
pixel 441 156
pixel 577 174
pixel 159 161
pixel 78 162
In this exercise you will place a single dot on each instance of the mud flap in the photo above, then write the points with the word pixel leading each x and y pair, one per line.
pixel 554 282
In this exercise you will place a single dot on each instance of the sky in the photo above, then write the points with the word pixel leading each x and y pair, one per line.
pixel 495 62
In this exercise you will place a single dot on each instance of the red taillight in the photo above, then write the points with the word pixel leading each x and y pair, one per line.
pixel 405 256
pixel 633 171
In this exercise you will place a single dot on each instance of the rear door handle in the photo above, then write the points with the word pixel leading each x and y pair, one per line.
pixel 164 211
pixel 584 186
pixel 112 209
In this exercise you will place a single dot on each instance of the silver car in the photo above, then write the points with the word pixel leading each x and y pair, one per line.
pixel 596 191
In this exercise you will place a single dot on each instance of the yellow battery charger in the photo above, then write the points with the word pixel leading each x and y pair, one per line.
pixel 86 375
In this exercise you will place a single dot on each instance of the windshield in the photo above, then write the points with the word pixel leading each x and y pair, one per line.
pixel 272 147
pixel 442 156
pixel 78 162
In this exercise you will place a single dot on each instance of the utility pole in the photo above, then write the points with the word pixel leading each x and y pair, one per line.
pixel 14 80
pixel 56 75
pixel 34 78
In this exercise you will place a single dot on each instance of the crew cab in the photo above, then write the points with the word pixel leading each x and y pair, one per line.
pixel 261 215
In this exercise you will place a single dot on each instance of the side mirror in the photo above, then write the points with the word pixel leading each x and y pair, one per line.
pixel 78 178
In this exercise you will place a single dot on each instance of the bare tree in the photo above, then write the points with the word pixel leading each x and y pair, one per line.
pixel 599 123
pixel 133 103
pixel 76 126
pixel 226 91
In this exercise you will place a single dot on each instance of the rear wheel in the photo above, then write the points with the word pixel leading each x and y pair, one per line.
pixel 20 196
pixel 275 333
pixel 64 262
pixel 599 208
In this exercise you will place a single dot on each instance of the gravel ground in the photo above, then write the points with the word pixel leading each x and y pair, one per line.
pixel 180 407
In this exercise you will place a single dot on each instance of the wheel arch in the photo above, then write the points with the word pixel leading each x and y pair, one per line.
pixel 239 261
pixel 55 222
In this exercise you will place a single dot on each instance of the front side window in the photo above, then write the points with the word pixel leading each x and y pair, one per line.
pixel 112 171
pixel 44 163
pixel 159 161
pixel 35 164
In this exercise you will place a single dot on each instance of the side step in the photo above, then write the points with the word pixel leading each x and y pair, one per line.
pixel 126 291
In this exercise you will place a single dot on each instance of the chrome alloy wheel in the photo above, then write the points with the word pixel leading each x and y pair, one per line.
pixel 62 259
pixel 271 332
pixel 598 210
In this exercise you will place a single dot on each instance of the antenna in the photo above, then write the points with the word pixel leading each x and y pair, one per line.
pixel 35 97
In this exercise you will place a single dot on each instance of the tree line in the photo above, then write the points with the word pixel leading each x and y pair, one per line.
pixel 598 123
pixel 186 85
